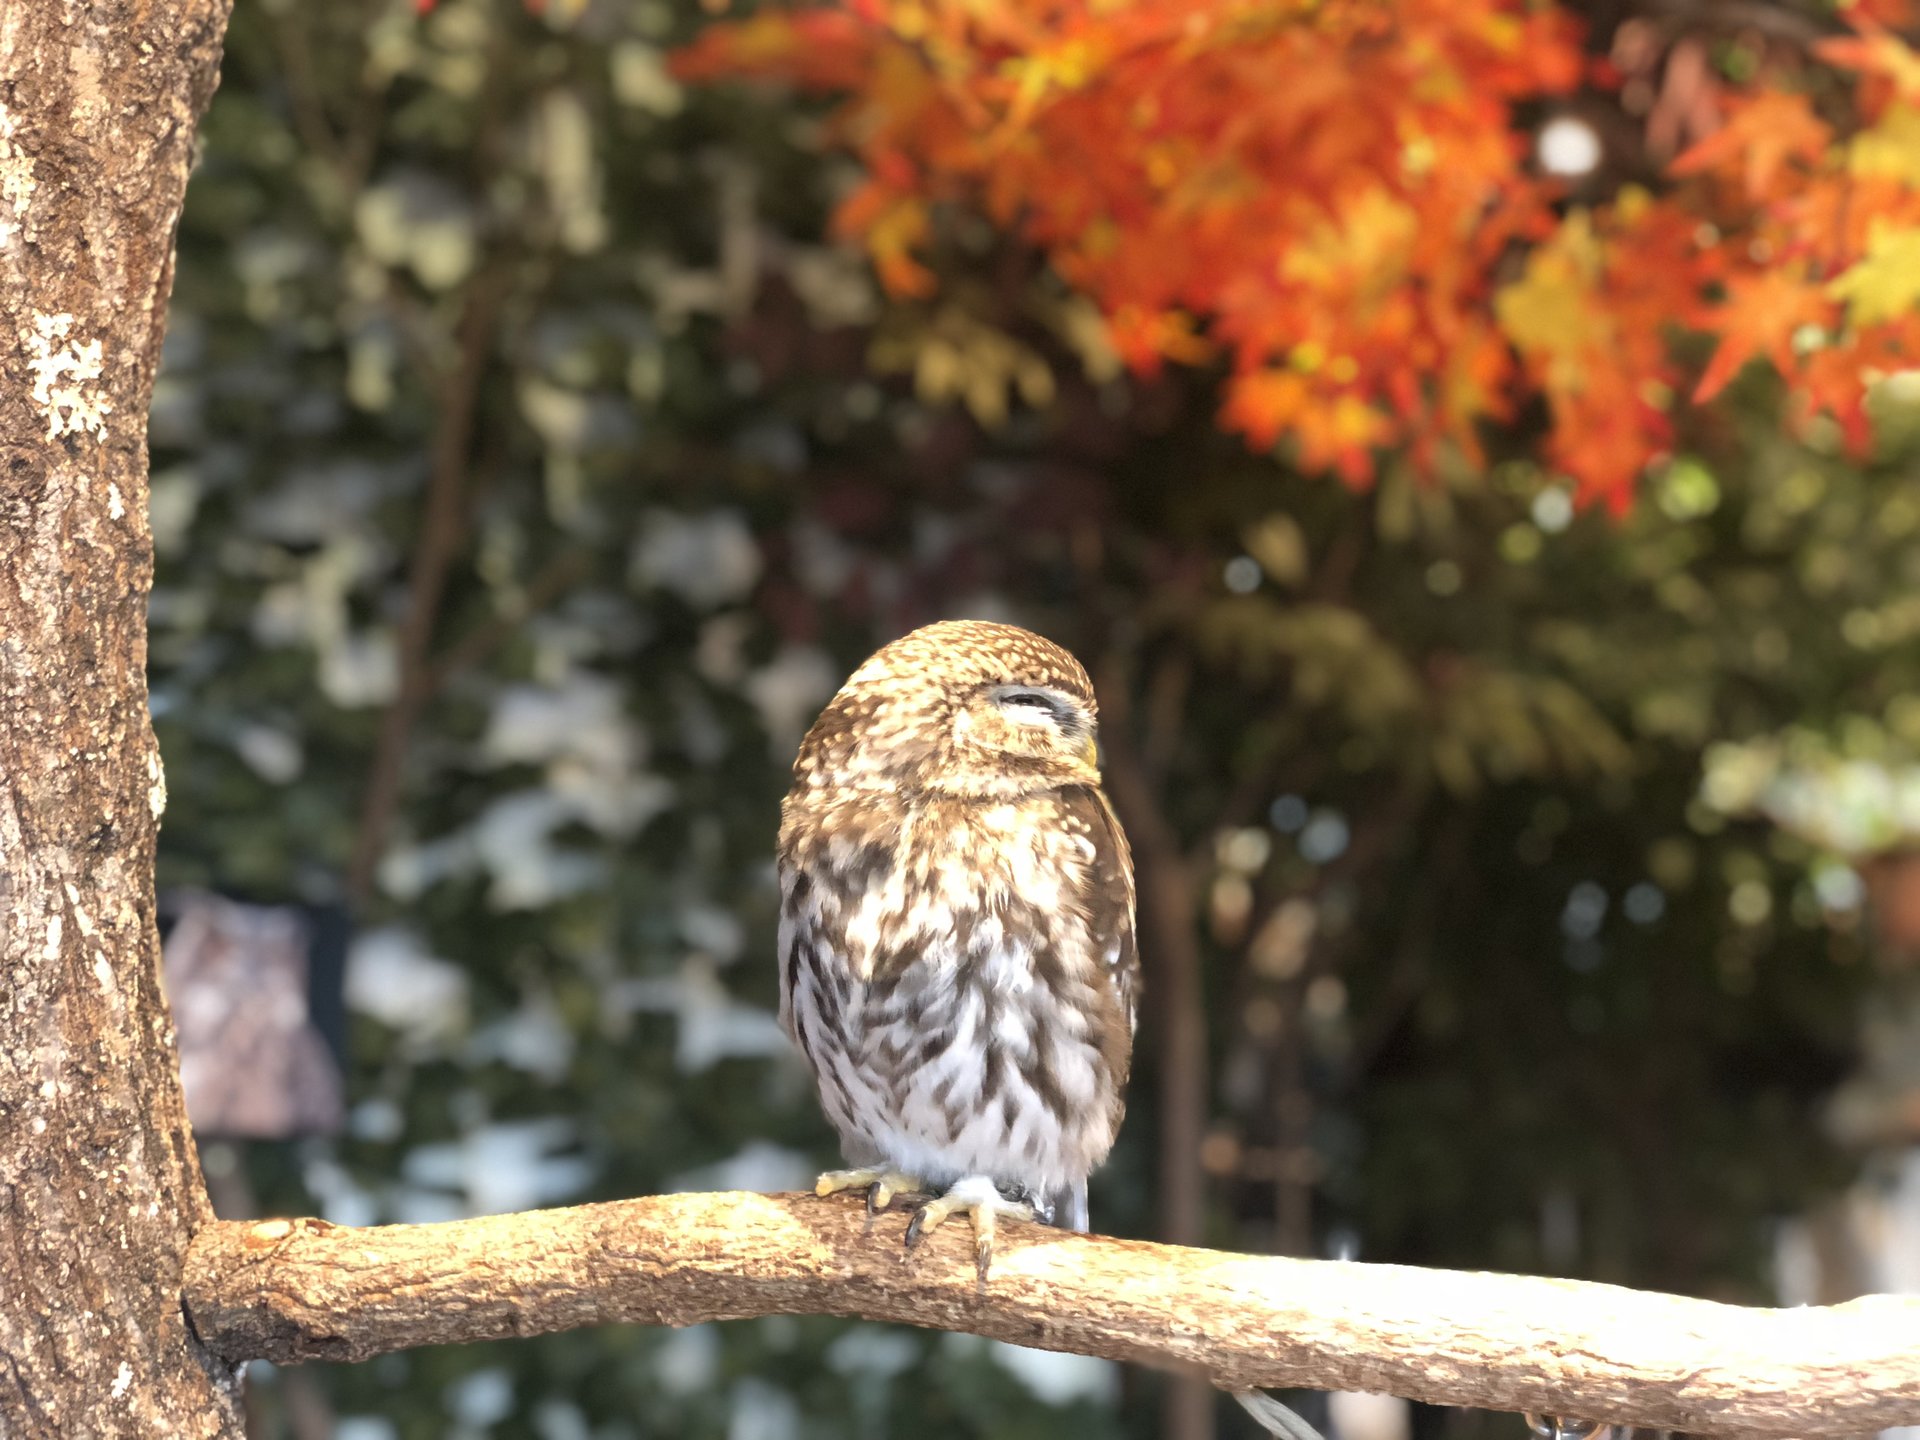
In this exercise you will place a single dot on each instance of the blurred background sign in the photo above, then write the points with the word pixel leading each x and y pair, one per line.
pixel 256 997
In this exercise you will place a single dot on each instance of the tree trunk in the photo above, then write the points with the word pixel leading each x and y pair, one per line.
pixel 1168 913
pixel 100 1189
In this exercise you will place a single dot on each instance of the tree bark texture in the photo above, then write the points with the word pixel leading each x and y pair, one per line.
pixel 290 1290
pixel 99 1187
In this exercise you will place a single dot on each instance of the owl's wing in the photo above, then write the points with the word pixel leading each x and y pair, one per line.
pixel 1106 898
pixel 1109 899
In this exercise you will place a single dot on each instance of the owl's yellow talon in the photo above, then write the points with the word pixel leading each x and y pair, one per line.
pixel 925 1220
pixel 880 1183
pixel 981 1201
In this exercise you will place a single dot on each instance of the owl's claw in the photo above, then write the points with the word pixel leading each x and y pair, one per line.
pixel 983 1203
pixel 880 1183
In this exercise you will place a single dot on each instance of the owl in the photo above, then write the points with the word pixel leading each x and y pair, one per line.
pixel 956 946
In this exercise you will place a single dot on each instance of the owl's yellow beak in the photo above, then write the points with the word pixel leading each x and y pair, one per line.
pixel 1091 754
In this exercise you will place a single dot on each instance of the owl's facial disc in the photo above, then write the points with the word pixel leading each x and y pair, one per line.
pixel 1019 734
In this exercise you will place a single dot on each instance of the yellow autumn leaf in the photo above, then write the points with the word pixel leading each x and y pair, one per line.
pixel 1280 545
pixel 1890 147
pixel 1886 283
pixel 893 238
pixel 1373 236
pixel 1551 312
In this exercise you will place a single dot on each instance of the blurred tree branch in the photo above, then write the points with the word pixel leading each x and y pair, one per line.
pixel 348 148
pixel 1169 904
pixel 459 381
pixel 1777 21
pixel 548 584
pixel 292 1290
pixel 442 529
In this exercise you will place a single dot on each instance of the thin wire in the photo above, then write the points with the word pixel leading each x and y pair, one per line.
pixel 1273 1417
pixel 1565 1427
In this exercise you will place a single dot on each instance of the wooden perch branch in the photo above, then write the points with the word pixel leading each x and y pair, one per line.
pixel 305 1290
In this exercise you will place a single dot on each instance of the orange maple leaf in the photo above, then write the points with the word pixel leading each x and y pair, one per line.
pixel 823 50
pixel 1760 315
pixel 1334 197
pixel 1877 51
pixel 1763 134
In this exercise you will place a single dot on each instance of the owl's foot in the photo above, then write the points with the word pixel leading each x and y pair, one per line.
pixel 982 1201
pixel 880 1183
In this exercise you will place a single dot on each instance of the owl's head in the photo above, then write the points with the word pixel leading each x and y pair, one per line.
pixel 963 707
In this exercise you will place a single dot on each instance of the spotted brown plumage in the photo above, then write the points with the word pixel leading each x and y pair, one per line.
pixel 957 958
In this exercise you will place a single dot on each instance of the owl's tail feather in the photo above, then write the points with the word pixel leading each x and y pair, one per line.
pixel 1068 1207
